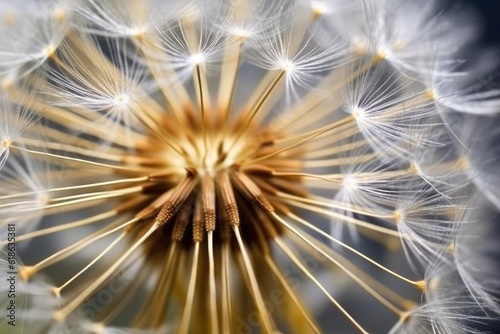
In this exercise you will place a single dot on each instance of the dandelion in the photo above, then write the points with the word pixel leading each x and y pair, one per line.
pixel 244 166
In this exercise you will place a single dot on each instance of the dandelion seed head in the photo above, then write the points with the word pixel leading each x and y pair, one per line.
pixel 184 161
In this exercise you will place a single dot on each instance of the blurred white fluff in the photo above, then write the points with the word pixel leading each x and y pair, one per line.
pixel 29 180
pixel 479 152
pixel 477 261
pixel 448 307
pixel 123 18
pixel 34 302
pixel 14 120
pixel 33 31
